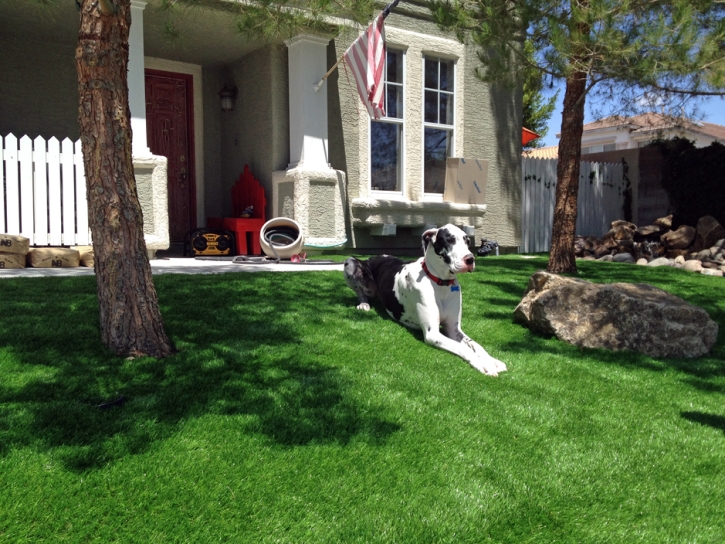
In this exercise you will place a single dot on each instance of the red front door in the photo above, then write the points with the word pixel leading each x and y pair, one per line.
pixel 169 122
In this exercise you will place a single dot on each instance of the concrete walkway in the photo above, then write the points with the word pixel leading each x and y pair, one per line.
pixel 177 265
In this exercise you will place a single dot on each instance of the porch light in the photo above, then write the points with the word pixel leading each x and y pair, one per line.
pixel 228 96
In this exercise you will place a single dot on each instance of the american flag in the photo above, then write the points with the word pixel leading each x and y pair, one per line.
pixel 366 59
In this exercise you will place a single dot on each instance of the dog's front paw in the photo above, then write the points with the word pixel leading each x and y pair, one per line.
pixel 364 306
pixel 500 365
pixel 485 366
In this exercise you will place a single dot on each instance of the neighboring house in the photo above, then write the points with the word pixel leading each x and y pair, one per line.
pixel 614 133
pixel 617 139
pixel 323 162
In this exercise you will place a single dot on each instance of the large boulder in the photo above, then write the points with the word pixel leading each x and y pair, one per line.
pixel 709 231
pixel 616 316
pixel 681 238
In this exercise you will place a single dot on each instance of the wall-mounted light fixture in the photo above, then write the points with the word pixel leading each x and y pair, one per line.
pixel 228 96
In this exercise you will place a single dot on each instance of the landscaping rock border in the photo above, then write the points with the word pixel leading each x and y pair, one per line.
pixel 699 249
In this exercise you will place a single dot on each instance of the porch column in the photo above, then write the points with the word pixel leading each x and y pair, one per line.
pixel 137 81
pixel 307 108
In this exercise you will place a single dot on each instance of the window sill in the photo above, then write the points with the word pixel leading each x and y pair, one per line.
pixel 370 212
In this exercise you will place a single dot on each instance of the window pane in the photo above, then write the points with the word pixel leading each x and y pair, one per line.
pixel 446 77
pixel 431 107
pixel 395 66
pixel 385 164
pixel 446 116
pixel 394 101
pixel 437 148
pixel 431 74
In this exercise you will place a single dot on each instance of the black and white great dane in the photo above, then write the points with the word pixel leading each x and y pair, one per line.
pixel 425 294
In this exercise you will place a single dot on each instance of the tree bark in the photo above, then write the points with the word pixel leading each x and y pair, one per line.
pixel 130 319
pixel 561 256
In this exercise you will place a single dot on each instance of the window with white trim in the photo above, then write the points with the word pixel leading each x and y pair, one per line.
pixel 386 134
pixel 438 121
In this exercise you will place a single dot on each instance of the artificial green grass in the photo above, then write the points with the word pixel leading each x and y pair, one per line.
pixel 289 416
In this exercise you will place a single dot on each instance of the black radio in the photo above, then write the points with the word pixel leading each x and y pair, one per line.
pixel 209 242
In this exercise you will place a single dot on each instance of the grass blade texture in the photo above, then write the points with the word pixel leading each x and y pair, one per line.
pixel 289 416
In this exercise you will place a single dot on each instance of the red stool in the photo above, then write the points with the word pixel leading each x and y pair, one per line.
pixel 246 191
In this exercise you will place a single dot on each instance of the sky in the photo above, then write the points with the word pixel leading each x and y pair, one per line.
pixel 712 110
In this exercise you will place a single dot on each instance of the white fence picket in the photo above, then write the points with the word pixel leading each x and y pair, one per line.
pixel 43 191
pixel 54 191
pixel 25 158
pixel 40 185
pixel 12 191
pixel 82 232
pixel 600 200
pixel 69 193
pixel 2 186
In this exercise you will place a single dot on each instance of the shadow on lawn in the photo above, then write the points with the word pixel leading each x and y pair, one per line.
pixel 710 420
pixel 243 355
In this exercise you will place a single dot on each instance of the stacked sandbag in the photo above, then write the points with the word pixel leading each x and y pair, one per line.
pixel 53 257
pixel 13 250
pixel 86 253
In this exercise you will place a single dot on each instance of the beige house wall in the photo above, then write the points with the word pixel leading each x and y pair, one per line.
pixel 42 101
pixel 487 126
pixel 256 132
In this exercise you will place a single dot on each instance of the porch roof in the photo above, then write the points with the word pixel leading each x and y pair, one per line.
pixel 207 37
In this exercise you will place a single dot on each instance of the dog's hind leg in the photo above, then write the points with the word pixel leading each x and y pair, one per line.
pixel 360 280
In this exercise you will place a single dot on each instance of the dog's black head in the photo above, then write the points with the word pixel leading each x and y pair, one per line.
pixel 449 244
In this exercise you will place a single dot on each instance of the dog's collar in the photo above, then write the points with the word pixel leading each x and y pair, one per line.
pixel 435 278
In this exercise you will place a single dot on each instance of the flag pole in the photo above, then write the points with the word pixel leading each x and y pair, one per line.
pixel 386 12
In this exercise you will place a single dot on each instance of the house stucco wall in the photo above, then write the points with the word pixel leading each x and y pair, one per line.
pixel 38 88
pixel 256 132
pixel 487 126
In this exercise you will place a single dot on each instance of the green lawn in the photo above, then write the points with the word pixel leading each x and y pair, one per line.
pixel 289 416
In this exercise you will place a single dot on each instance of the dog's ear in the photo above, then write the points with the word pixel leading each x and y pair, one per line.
pixel 428 237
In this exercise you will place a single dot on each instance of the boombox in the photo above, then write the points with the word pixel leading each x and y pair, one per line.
pixel 209 242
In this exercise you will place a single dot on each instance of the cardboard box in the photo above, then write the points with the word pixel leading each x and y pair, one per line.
pixel 466 181
pixel 53 257
pixel 87 256
pixel 11 260
pixel 10 243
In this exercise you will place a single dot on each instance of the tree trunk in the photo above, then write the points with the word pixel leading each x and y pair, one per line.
pixel 130 319
pixel 561 256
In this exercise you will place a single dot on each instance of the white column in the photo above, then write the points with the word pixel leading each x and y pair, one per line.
pixel 307 107
pixel 136 80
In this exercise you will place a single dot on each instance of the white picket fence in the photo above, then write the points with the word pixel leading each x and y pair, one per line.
pixel 43 191
pixel 600 200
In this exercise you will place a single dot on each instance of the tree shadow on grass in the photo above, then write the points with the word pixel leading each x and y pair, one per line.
pixel 710 420
pixel 250 350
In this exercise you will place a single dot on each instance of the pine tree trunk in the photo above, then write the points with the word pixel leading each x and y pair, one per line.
pixel 561 256
pixel 130 319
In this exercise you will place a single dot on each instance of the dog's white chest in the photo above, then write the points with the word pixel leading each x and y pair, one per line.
pixel 416 294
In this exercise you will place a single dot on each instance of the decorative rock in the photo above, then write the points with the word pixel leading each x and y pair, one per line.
pixel 606 259
pixel 693 266
pixel 709 232
pixel 674 253
pixel 701 255
pixel 664 222
pixel 712 272
pixel 642 262
pixel 679 260
pixel 661 261
pixel 589 258
pixel 623 258
pixel 616 316
pixel 649 233
pixel 679 239
pixel 711 265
